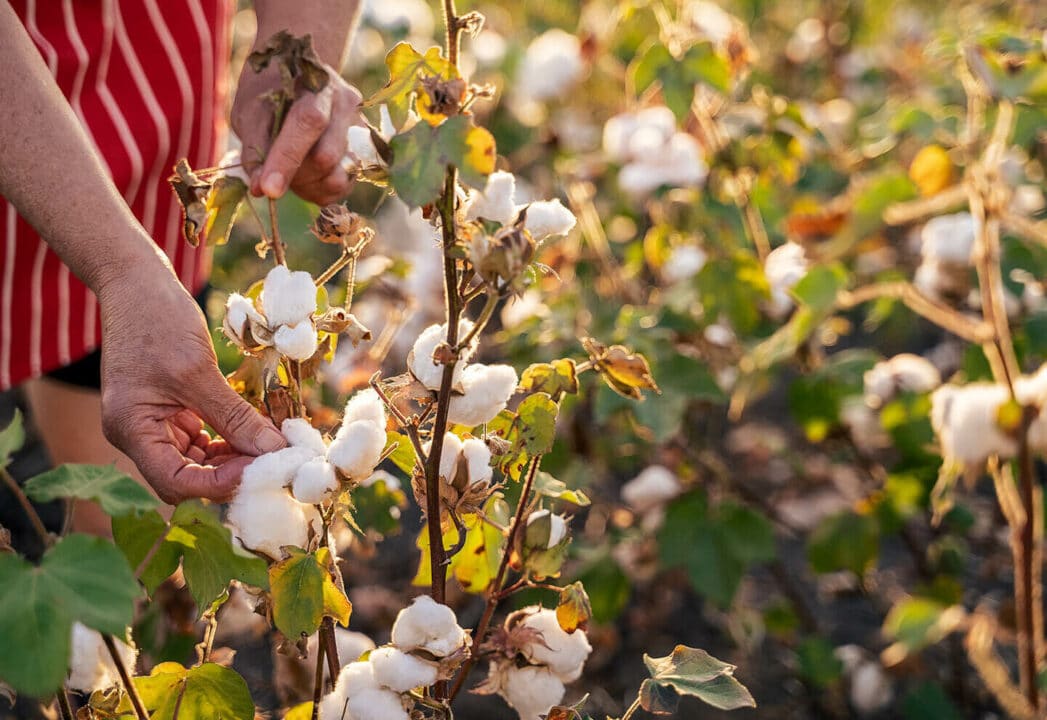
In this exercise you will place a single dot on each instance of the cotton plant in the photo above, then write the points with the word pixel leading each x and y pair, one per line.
pixel 652 152
pixel 91 666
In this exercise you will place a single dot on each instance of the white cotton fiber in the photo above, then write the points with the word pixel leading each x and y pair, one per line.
pixel 486 388
pixel 531 690
pixel 551 66
pixel 652 488
pixel 905 372
pixel 964 418
pixel 357 449
pixel 300 433
pixel 315 481
pixel 564 653
pixel 557 526
pixel 449 454
pixel 496 202
pixel 400 672
pixel 288 297
pixel 376 704
pixel 360 147
pixel 274 470
pixel 478 458
pixel 298 342
pixel 428 625
pixel 420 360
pixel 91 667
pixel 785 266
pixel 239 312
pixel 267 520
pixel 548 218
pixel 365 405
pixel 949 238
pixel 354 679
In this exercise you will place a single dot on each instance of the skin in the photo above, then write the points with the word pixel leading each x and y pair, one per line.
pixel 160 378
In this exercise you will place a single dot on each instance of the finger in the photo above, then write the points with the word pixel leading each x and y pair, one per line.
pixel 176 477
pixel 188 421
pixel 196 454
pixel 327 190
pixel 217 449
pixel 306 122
pixel 327 153
pixel 243 427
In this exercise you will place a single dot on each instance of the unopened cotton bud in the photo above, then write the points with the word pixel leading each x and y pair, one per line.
pixel 478 458
pixel 273 471
pixel 288 297
pixel 365 405
pixel 548 218
pixel 420 361
pixel 357 448
pixel 531 690
pixel 496 202
pixel 91 666
pixel 314 481
pixel 652 488
pixel 564 653
pixel 298 342
pixel 486 390
pixel 401 672
pixel 427 625
pixel 240 312
pixel 557 528
pixel 266 521
pixel 300 433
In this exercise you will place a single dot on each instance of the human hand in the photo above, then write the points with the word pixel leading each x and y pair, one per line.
pixel 160 382
pixel 307 153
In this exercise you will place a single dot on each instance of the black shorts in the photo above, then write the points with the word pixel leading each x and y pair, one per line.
pixel 87 371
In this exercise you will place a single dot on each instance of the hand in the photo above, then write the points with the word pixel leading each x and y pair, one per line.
pixel 307 154
pixel 160 382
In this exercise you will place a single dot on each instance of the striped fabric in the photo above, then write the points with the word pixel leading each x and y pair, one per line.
pixel 147 79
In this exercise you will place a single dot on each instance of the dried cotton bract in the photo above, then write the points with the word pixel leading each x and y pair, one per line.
pixel 90 665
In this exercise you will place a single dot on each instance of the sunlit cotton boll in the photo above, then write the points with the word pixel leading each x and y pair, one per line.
pixel 487 389
pixel 551 66
pixel 400 672
pixel 300 433
pixel 449 454
pixel 949 238
pixel 623 134
pixel 298 342
pixel 709 19
pixel 964 418
pixel 354 679
pixel 265 521
pixel 785 266
pixel 239 313
pixel 683 263
pixel 314 481
pixel 557 526
pixel 652 488
pixel 497 202
pixel 288 297
pixel 520 309
pixel 91 666
pixel 414 17
pixel 420 361
pixel 548 218
pixel 902 373
pixel 531 690
pixel 357 449
pixel 478 460
pixel 360 148
pixel 563 653
pixel 376 705
pixel 678 163
pixel 428 625
pixel 275 470
pixel 365 405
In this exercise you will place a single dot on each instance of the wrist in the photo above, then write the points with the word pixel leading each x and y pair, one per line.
pixel 135 264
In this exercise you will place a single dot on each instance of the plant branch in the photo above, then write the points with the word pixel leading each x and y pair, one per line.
pixel 274 241
pixel 481 320
pixel 938 313
pixel 125 678
pixel 63 704
pixel 318 680
pixel 30 511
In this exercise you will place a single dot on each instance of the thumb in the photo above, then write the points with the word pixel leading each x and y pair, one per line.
pixel 243 427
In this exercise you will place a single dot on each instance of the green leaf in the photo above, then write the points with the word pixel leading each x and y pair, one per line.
pixel 205 692
pixel 422 154
pixel 846 541
pixel 818 663
pixel 12 438
pixel 819 287
pixel 117 493
pixel 554 379
pixel 403 456
pixel 530 431
pixel 80 578
pixel 545 484
pixel 608 588
pixel 678 76
pixel 928 700
pixel 692 672
pixel 916 622
pixel 303 593
pixel 135 534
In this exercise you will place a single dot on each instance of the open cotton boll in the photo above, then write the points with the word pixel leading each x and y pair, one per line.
pixel 497 201
pixel 401 672
pixel 564 653
pixel 1031 391
pixel 785 266
pixel 288 297
pixel 677 163
pixel 487 388
pixel 273 471
pixel 949 238
pixel 365 405
pixel 420 360
pixel 314 481
pixel 964 418
pixel 267 520
pixel 531 690
pixel 354 679
pixel 550 67
pixel 357 449
pixel 300 433
pixel 683 263
pixel 557 526
pixel 652 488
pixel 478 458
pixel 376 704
pixel 449 454
pixel 90 665
pixel 360 147
pixel 427 625
pixel 297 342
pixel 905 372
pixel 351 645
pixel 239 312
pixel 548 218
pixel 620 131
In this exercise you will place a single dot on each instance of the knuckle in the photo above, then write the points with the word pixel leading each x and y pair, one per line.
pixel 326 158
pixel 236 417
pixel 311 118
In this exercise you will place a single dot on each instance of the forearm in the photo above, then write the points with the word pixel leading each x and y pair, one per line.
pixel 51 173
pixel 330 22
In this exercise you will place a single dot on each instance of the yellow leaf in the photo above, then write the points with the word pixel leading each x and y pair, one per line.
pixel 407 67
pixel 476 564
pixel 300 712
pixel 573 610
pixel 931 170
pixel 481 156
pixel 625 372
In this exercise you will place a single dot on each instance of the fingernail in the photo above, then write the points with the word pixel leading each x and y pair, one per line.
pixel 269 440
pixel 273 184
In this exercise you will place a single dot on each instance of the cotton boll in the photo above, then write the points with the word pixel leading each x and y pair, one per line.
pixel 496 202
pixel 365 405
pixel 870 688
pixel 487 389
pixel 239 313
pixel 905 372
pixel 548 218
pixel 355 678
pixel 428 625
pixel 391 481
pixel 864 425
pixel 683 263
pixel 964 418
pixel 785 266
pixel 520 309
pixel 357 448
pixel 652 488
pixel 531 691
pixel 376 705
pixel 449 454
pixel 401 672
pixel 288 297
pixel 267 520
pixel 551 66
pixel 351 645
pixel 301 434
pixel 709 19
pixel 420 360
pixel 314 481
pixel 478 458
pixel 620 130
pixel 361 149
pixel 273 471
pixel 564 653
pixel 557 526
pixel 90 665
pixel 333 707
pixel 297 342
pixel 949 238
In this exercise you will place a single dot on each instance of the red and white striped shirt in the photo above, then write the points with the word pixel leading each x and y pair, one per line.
pixel 147 79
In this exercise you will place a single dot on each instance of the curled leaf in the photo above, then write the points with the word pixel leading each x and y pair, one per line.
pixel 625 372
